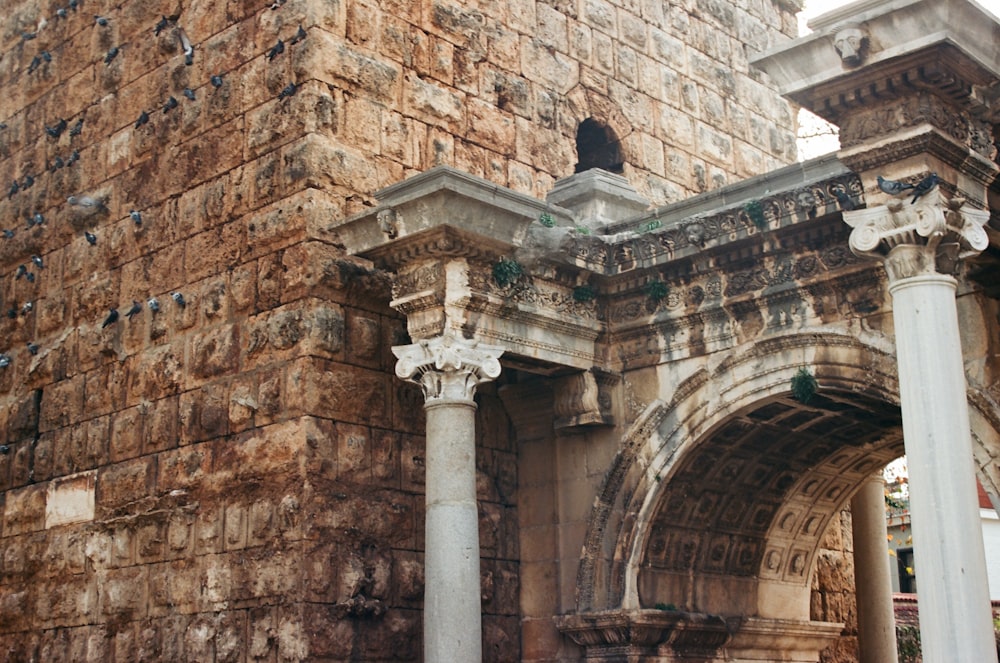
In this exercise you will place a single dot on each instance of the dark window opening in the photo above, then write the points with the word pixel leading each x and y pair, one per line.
pixel 907 577
pixel 597 146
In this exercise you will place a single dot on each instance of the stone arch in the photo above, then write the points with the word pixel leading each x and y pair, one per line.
pixel 749 553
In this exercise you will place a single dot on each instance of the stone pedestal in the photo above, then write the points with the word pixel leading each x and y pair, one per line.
pixel 448 369
pixel 873 584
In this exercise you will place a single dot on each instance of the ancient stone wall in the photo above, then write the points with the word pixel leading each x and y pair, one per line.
pixel 833 589
pixel 225 466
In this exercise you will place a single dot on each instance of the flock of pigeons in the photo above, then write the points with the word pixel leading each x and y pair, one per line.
pixel 85 205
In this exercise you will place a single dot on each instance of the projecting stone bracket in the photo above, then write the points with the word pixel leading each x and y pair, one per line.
pixel 610 635
pixel 616 634
pixel 583 400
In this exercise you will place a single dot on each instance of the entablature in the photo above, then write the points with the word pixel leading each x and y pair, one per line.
pixel 555 289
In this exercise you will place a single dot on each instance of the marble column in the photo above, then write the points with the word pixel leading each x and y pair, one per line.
pixel 448 369
pixel 872 580
pixel 921 245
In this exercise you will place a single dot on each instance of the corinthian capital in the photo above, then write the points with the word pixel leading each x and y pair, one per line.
pixel 448 367
pixel 928 236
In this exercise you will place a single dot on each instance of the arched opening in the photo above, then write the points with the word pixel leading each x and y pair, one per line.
pixel 742 514
pixel 597 146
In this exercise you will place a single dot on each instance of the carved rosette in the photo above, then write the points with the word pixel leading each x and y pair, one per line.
pixel 448 367
pixel 929 236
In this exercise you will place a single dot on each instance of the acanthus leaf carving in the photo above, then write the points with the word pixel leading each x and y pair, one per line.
pixel 448 367
pixel 926 236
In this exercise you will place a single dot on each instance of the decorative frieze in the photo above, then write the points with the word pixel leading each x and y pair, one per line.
pixel 924 108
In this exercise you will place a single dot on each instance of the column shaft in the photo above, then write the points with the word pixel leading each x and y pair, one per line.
pixel 448 368
pixel 452 595
pixel 955 622
pixel 872 582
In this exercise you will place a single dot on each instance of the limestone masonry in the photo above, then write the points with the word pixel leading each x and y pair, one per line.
pixel 207 454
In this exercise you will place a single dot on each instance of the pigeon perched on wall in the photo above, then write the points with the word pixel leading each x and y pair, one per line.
pixel 76 128
pixel 179 299
pixel 892 187
pixel 38 261
pixel 136 217
pixel 216 81
pixel 170 105
pixel 186 47
pixel 160 26
pixel 136 308
pixel 153 304
pixel 289 91
pixel 112 54
pixel 56 130
pixel 101 21
pixel 143 119
pixel 189 94
pixel 924 186
pixel 299 36
pixel 276 50
pixel 90 237
pixel 32 348
pixel 111 319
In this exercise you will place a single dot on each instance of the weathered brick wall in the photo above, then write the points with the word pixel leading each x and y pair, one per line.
pixel 246 478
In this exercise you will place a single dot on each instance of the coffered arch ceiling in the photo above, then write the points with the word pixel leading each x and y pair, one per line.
pixel 755 496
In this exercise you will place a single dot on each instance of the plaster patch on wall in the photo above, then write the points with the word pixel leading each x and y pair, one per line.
pixel 71 499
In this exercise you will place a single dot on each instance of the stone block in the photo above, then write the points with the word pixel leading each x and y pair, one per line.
pixel 382 515
pixel 490 127
pixel 22 416
pixel 208 530
pixel 124 482
pixel 70 499
pixel 317 161
pixel 150 541
pixel 104 389
pixel 159 430
pixel 98 437
pixel 180 531
pixel 127 433
pixel 204 413
pixel 313 109
pixel 235 527
pixel 335 62
pixel 62 404
pixel 213 353
pixel 213 300
pixel 341 392
pixel 354 452
pixel 398 635
pixel 123 592
pixel 24 510
pixel 386 457
pixel 155 373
